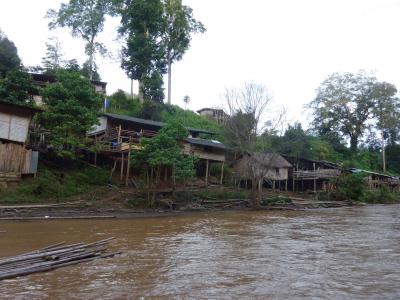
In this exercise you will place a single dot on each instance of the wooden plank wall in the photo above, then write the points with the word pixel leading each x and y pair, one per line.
pixel 12 157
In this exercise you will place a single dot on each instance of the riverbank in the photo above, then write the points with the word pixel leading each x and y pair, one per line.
pixel 117 207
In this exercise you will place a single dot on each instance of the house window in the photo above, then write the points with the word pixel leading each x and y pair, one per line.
pixel 277 171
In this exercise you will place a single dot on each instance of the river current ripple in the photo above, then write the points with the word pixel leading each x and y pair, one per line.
pixel 346 253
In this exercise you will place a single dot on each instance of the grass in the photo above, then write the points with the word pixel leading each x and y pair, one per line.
pixel 54 184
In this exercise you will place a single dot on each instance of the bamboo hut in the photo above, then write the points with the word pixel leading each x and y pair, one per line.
pixel 272 167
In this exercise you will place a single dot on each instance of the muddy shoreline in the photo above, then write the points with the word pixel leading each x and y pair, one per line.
pixel 87 211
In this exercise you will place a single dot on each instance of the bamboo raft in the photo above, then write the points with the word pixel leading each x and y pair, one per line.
pixel 53 257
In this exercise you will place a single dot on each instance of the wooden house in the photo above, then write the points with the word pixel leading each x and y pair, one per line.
pixel 42 80
pixel 117 135
pixel 272 166
pixel 313 175
pixel 214 114
pixel 15 158
pixel 375 180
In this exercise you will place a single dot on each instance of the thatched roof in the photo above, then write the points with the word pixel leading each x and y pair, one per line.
pixel 272 160
pixel 259 162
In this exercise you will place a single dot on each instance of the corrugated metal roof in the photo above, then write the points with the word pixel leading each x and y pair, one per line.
pixel 208 143
pixel 150 122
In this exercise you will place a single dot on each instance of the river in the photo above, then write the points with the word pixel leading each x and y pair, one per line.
pixel 346 253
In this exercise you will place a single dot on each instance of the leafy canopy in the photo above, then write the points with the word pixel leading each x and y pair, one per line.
pixel 9 58
pixel 71 106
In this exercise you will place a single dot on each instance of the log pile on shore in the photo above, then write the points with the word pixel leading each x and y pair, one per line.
pixel 53 257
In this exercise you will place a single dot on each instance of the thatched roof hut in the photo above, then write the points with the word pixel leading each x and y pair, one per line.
pixel 268 165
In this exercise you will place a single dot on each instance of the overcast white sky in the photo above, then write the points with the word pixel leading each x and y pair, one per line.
pixel 291 46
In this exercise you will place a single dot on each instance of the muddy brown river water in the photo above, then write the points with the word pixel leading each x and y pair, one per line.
pixel 346 253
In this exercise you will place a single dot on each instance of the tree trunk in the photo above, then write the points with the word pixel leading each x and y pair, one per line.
pixel 169 81
pixel 132 88
pixel 140 92
pixel 91 57
pixel 383 153
pixel 353 143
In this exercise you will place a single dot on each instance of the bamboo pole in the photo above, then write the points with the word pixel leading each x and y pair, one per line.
pixel 121 176
pixel 206 179
pixel 222 173
pixel 128 165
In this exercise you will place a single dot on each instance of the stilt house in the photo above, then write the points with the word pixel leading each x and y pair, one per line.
pixel 272 166
pixel 117 135
pixel 311 175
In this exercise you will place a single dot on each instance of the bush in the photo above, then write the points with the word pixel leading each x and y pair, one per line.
pixel 350 187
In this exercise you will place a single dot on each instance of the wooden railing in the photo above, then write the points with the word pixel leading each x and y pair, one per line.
pixel 317 174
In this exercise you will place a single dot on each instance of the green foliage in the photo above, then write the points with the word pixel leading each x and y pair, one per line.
pixel 53 60
pixel 121 103
pixel 141 23
pixel 71 110
pixel 393 158
pixel 221 195
pixel 51 184
pixel 347 103
pixel 350 187
pixel 381 196
pixel 17 87
pixel 152 87
pixel 9 59
pixel 173 113
pixel 275 200
pixel 85 19
pixel 164 150
pixel 90 70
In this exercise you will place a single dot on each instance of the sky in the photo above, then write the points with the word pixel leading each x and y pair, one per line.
pixel 290 46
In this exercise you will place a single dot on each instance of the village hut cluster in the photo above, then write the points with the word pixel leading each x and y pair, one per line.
pixel 117 136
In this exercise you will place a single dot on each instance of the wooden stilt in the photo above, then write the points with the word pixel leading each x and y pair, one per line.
pixel 273 185
pixel 113 168
pixel 207 166
pixel 128 165
pixel 315 179
pixel 286 182
pixel 222 173
pixel 121 177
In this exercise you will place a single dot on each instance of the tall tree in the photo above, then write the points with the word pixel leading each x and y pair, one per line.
pixel 17 87
pixel 85 19
pixel 344 103
pixel 179 27
pixel 9 58
pixel 387 113
pixel 143 54
pixel 246 107
pixel 53 60
pixel 71 110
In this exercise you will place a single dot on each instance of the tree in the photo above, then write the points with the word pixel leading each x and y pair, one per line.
pixel 186 100
pixel 179 27
pixel 143 54
pixel 53 60
pixel 88 70
pixel 247 107
pixel 17 87
pixel 71 106
pixel 85 19
pixel 387 113
pixel 344 103
pixel 164 151
pixel 9 58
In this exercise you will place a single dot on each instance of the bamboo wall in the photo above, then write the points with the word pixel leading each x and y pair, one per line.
pixel 14 158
